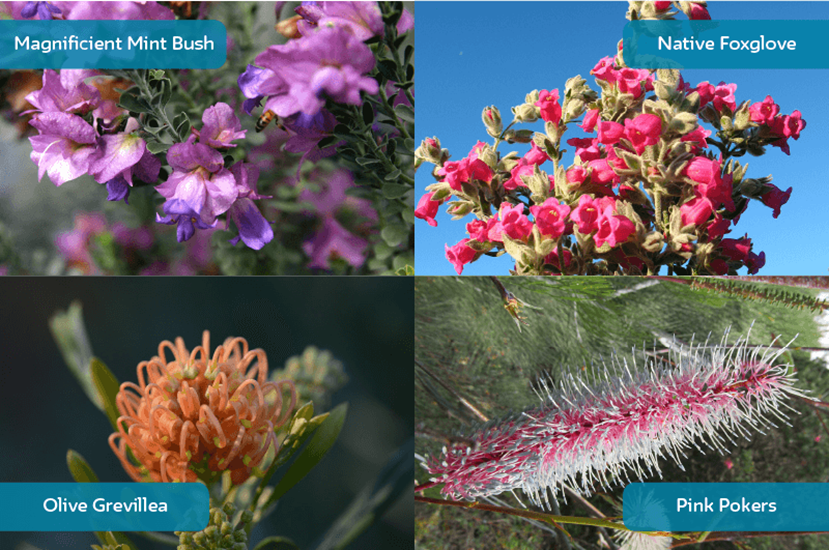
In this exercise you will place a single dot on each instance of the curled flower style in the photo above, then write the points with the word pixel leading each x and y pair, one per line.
pixel 198 415
pixel 600 432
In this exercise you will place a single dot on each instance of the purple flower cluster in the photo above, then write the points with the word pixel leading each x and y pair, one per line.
pixel 68 145
pixel 86 10
pixel 332 240
pixel 201 188
pixel 327 60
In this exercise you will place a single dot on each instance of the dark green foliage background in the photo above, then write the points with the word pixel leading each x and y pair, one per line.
pixel 463 334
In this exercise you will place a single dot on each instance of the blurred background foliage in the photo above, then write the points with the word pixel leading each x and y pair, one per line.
pixel 464 335
pixel 364 323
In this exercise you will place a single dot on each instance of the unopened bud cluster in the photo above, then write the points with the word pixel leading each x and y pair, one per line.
pixel 220 533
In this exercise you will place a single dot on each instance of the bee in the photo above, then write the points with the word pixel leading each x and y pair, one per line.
pixel 266 119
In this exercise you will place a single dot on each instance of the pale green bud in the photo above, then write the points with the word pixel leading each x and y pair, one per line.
pixel 525 113
pixel 492 120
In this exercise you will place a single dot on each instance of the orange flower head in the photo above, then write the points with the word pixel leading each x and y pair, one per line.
pixel 196 416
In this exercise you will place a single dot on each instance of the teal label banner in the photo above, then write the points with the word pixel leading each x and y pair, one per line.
pixel 726 506
pixel 103 506
pixel 726 44
pixel 112 44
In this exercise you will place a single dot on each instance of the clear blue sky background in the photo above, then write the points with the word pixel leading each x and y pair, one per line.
pixel 474 54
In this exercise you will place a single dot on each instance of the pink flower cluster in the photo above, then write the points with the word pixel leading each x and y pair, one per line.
pixel 626 422
pixel 587 203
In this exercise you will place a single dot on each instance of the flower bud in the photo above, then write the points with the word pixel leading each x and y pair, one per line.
pixel 430 151
pixel 492 120
pixel 519 136
pixel 526 113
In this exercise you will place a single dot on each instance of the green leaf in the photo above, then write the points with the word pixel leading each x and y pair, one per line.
pixel 387 68
pixel 373 500
pixel 69 333
pixel 114 538
pixel 404 271
pixel 107 387
pixel 276 543
pixel 394 176
pixel 325 142
pixel 319 445
pixel 394 235
pixel 134 104
pixel 395 191
pixel 405 112
pixel 368 113
pixel 366 161
pixel 156 147
pixel 81 471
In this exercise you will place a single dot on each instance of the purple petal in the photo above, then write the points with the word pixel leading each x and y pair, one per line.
pixel 189 156
pixel 118 189
pixel 254 229
pixel 117 154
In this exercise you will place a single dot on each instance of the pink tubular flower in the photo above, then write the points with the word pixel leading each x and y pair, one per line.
pixel 625 423
pixel 610 133
pixel 551 217
pixel 427 209
pixel 643 130
pixel 706 173
pixel 774 198
pixel 787 126
pixel 586 215
pixel 765 111
pixel 591 117
pixel 720 95
pixel 549 106
pixel 605 70
pixel 460 255
pixel 613 229
pixel 696 211
pixel 634 81
pixel 513 222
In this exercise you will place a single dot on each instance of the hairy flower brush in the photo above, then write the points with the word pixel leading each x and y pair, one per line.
pixel 590 433
pixel 198 415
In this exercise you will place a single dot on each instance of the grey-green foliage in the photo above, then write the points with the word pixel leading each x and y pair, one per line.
pixel 316 374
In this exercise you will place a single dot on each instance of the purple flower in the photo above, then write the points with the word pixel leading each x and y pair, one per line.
pixel 331 196
pixel 44 10
pixel 199 180
pixel 363 19
pixel 254 229
pixel 123 155
pixel 221 126
pixel 256 83
pixel 329 63
pixel 333 241
pixel 64 148
pixel 120 11
pixel 65 93
pixel 179 212
pixel 118 189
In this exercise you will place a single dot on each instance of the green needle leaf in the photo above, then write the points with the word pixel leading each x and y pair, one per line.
pixel 107 387
pixel 79 468
pixel 276 543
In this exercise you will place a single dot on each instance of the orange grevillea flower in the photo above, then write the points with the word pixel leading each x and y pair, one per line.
pixel 198 415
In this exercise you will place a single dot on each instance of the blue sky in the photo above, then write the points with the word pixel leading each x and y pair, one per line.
pixel 474 54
